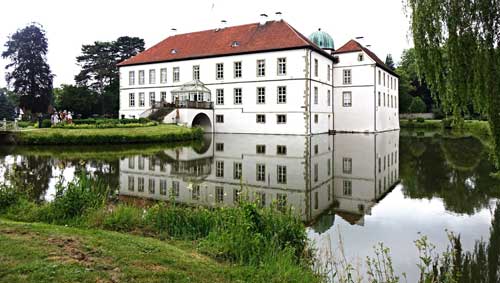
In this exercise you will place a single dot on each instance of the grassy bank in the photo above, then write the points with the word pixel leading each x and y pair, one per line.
pixel 156 134
pixel 51 253
pixel 259 244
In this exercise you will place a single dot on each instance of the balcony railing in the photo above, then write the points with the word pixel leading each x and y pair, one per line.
pixel 185 104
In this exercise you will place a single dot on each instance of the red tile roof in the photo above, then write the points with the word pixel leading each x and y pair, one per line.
pixel 274 35
pixel 354 46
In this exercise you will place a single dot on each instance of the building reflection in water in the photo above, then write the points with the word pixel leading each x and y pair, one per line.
pixel 347 172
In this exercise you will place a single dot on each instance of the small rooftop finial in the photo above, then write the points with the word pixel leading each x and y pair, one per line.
pixel 263 19
pixel 279 16
pixel 319 29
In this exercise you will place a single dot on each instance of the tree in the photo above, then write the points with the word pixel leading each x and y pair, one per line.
pixel 7 110
pixel 417 105
pixel 411 84
pixel 457 50
pixel 79 100
pixel 99 71
pixel 29 74
pixel 389 62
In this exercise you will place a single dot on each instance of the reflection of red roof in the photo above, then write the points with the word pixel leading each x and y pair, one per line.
pixel 250 38
pixel 350 217
pixel 354 46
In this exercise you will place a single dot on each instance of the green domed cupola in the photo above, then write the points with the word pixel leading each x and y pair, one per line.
pixel 322 39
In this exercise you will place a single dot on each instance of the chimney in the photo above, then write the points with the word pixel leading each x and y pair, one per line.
pixel 173 31
pixel 279 16
pixel 263 19
pixel 223 24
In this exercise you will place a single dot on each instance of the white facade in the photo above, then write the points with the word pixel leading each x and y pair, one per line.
pixel 358 83
pixel 297 87
pixel 302 91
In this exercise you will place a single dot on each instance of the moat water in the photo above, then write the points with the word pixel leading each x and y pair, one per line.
pixel 352 190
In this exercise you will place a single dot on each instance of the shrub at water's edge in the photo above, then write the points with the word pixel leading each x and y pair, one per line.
pixel 151 134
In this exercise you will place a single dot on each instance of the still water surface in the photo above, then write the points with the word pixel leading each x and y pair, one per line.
pixel 353 190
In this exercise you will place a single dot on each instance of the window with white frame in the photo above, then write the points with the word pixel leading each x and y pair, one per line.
pixel 384 99
pixel 379 77
pixel 141 77
pixel 281 149
pixel 316 67
pixel 176 74
pixel 329 167
pixel 261 118
pixel 175 189
pixel 237 170
pixel 316 98
pixel 131 99
pixel 281 66
pixel 219 71
pixel 261 68
pixel 316 172
pixel 281 94
pixel 281 200
pixel 219 169
pixel 152 98
pixel 219 194
pixel 237 69
pixel 141 163
pixel 260 149
pixel 347 165
pixel 195 194
pixel 163 187
pixel 329 98
pixel 281 174
pixel 347 76
pixel 347 99
pixel 260 198
pixel 163 96
pixel 238 99
pixel 219 146
pixel 261 173
pixel 196 72
pixel 219 118
pixel 219 96
pixel 142 99
pixel 131 183
pixel 316 118
pixel 140 184
pixel 151 186
pixel 131 163
pixel 347 187
pixel 329 72
pixel 131 78
pixel 361 57
pixel 152 76
pixel 281 119
pixel 379 99
pixel 163 75
pixel 261 95
pixel 384 79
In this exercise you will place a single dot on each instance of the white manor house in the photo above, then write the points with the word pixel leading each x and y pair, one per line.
pixel 261 78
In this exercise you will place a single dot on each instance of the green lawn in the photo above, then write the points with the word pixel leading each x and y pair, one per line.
pixel 48 253
pixel 160 133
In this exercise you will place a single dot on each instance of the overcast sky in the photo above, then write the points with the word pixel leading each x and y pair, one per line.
pixel 71 23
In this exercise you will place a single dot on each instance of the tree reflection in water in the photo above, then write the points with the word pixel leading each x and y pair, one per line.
pixel 456 170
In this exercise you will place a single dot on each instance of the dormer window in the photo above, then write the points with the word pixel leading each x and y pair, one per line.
pixel 361 57
pixel 173 51
pixel 235 44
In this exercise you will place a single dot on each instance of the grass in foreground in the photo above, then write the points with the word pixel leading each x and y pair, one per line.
pixel 51 253
pixel 160 133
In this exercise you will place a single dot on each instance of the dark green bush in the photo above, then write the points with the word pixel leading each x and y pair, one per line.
pixel 447 123
pixel 420 120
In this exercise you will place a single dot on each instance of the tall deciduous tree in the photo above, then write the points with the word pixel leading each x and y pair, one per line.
pixel 79 100
pixel 28 71
pixel 99 71
pixel 457 50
